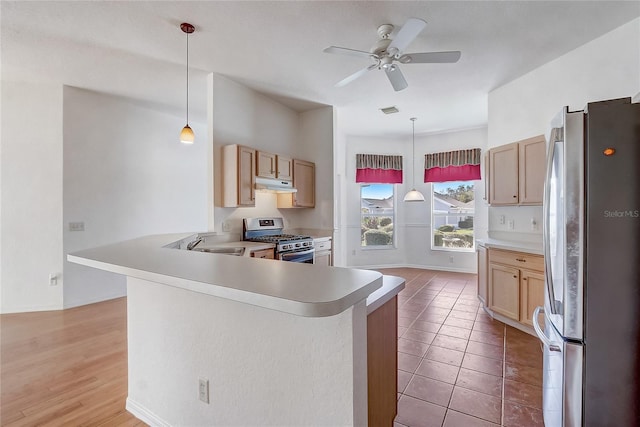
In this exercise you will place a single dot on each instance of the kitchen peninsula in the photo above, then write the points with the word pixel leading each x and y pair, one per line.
pixel 223 340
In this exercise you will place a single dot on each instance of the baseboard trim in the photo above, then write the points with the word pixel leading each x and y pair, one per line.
pixel 143 414
pixel 93 300
pixel 421 267
pixel 511 322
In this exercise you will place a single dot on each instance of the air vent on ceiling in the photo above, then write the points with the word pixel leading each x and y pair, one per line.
pixel 390 110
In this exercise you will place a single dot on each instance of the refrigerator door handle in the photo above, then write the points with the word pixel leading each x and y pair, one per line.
pixel 554 137
pixel 553 346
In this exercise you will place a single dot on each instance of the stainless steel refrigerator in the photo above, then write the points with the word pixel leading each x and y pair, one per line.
pixel 591 331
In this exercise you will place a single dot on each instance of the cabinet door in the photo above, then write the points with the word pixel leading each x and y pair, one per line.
pixel 504 290
pixel 487 168
pixel 503 173
pixel 532 165
pixel 246 176
pixel 265 164
pixel 285 168
pixel 322 258
pixel 482 274
pixel 263 253
pixel 531 294
pixel 304 180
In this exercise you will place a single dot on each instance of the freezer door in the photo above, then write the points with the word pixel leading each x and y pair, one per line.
pixel 564 225
pixel 562 395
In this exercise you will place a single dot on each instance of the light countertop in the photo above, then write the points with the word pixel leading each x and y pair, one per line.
pixel 391 286
pixel 284 286
pixel 510 245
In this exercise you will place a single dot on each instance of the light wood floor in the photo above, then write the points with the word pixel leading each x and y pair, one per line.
pixel 65 367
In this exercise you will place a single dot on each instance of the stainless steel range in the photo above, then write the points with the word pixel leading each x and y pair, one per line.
pixel 289 247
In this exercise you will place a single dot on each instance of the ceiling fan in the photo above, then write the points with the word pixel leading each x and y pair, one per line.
pixel 386 52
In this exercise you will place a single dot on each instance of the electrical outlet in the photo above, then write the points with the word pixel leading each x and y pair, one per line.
pixel 534 224
pixel 226 226
pixel 53 279
pixel 76 226
pixel 501 219
pixel 511 224
pixel 203 390
pixel 353 252
pixel 450 260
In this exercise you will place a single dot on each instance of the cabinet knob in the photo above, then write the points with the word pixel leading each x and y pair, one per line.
pixel 515 197
pixel 521 260
pixel 515 277
pixel 524 278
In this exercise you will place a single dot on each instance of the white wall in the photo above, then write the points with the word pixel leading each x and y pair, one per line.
pixel 413 220
pixel 264 367
pixel 31 196
pixel 605 68
pixel 240 115
pixel 125 175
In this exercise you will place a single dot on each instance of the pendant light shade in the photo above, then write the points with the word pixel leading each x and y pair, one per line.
pixel 413 195
pixel 186 135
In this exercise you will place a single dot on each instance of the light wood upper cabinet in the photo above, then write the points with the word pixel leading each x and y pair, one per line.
pixel 503 175
pixel 531 159
pixel 284 169
pixel 238 176
pixel 304 180
pixel 265 164
pixel 516 172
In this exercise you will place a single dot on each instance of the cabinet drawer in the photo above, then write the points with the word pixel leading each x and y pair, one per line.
pixel 324 245
pixel 517 259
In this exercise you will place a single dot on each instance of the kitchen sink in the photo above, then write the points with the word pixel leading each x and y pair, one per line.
pixel 220 250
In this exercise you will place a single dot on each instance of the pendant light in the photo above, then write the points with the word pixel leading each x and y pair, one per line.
pixel 413 195
pixel 187 136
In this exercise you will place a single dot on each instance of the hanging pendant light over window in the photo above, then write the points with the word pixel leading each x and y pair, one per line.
pixel 413 195
pixel 187 136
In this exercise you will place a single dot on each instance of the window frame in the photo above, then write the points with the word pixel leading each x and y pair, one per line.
pixel 435 215
pixel 380 215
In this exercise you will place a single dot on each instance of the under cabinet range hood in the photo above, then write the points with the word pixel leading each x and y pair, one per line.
pixel 273 185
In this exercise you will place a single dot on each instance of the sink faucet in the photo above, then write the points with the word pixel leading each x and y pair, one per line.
pixel 195 243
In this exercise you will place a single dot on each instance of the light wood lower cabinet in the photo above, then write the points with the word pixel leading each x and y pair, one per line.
pixel 382 363
pixel 504 290
pixel 531 294
pixel 515 283
pixel 263 253
pixel 482 274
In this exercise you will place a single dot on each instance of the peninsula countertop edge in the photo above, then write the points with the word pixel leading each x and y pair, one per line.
pixel 299 289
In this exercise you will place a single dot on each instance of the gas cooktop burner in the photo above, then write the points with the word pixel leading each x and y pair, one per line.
pixel 277 238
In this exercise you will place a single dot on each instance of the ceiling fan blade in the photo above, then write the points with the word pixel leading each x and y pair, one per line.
pixel 430 57
pixel 355 75
pixel 350 52
pixel 406 35
pixel 396 78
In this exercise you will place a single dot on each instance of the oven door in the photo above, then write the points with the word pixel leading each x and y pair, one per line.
pixel 304 256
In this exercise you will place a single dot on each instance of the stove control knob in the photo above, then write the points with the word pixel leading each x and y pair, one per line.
pixel 297 245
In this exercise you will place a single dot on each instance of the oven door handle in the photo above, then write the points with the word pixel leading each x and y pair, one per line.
pixel 283 256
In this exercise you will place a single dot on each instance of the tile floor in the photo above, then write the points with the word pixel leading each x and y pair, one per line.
pixel 456 365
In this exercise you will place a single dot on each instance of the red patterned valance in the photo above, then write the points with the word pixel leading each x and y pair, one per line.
pixel 378 169
pixel 461 165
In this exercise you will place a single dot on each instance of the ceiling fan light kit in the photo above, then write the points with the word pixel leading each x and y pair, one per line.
pixel 413 195
pixel 186 135
pixel 386 51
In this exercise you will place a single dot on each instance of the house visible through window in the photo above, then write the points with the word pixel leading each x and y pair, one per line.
pixel 377 209
pixel 452 215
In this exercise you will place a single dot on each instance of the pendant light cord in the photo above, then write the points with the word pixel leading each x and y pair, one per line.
pixel 187 78
pixel 413 152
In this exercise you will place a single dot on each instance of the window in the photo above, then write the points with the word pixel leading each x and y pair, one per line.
pixel 377 209
pixel 452 215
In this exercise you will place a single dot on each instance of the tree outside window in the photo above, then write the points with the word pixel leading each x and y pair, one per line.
pixel 377 210
pixel 453 208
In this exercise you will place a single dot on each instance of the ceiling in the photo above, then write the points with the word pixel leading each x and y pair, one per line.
pixel 136 49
